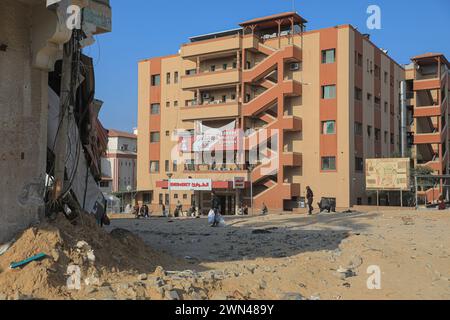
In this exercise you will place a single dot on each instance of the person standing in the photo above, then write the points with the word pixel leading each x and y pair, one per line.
pixel 310 199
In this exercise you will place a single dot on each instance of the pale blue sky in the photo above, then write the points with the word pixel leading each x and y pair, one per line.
pixel 147 28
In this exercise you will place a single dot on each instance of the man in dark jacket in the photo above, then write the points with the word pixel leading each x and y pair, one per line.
pixel 310 199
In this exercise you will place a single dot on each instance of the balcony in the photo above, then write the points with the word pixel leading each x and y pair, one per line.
pixel 210 79
pixel 427 111
pixel 210 111
pixel 211 46
pixel 431 138
pixel 292 159
pixel 427 84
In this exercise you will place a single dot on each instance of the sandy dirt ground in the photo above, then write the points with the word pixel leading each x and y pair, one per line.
pixel 326 256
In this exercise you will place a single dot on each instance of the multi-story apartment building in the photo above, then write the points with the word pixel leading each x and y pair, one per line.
pixel 427 90
pixel 329 96
pixel 427 81
pixel 119 166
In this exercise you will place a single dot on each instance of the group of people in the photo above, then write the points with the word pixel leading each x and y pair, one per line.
pixel 141 211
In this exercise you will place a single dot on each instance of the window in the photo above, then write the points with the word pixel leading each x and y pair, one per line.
pixel 146 198
pixel 155 108
pixel 167 199
pixel 377 71
pixel 377 102
pixel 167 104
pixel 385 137
pixel 329 92
pixel 225 66
pixel 191 72
pixel 369 131
pixel 359 164
pixel 167 133
pixel 377 134
pixel 175 103
pixel 185 196
pixel 154 137
pixel 328 127
pixel 328 163
pixel 392 138
pixel 233 97
pixel 359 59
pixel 358 94
pixel 224 99
pixel 168 78
pixel 358 128
pixel 176 76
pixel 175 196
pixel 104 184
pixel 125 148
pixel 154 166
pixel 369 97
pixel 167 166
pixel 235 65
pixel 385 77
pixel 212 68
pixel 329 56
pixel 160 198
pixel 156 80
pixel 175 166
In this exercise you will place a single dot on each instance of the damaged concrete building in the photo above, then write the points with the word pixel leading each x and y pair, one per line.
pixel 32 37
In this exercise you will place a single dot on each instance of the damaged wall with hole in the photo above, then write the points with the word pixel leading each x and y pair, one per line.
pixel 23 101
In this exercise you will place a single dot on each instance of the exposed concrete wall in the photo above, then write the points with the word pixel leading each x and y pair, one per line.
pixel 23 102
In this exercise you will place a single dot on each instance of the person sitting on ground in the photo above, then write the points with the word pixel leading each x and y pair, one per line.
pixel 326 205
pixel 441 203
pixel 245 210
pixel 264 210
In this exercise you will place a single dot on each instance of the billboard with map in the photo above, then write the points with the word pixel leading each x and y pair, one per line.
pixel 388 174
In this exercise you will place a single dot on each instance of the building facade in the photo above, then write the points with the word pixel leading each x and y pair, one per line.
pixel 119 166
pixel 325 99
pixel 32 33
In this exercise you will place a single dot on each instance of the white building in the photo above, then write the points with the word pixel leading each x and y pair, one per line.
pixel 119 165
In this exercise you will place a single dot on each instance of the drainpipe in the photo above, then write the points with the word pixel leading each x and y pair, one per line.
pixel 403 112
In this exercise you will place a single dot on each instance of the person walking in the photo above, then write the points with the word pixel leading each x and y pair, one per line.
pixel 310 198
pixel 215 206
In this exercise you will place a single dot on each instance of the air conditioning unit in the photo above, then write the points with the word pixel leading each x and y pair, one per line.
pixel 295 66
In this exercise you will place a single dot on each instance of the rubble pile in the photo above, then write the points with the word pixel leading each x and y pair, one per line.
pixel 83 261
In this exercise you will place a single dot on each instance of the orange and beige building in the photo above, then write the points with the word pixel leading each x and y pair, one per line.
pixel 331 97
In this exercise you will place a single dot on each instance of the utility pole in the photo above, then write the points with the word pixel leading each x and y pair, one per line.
pixel 60 149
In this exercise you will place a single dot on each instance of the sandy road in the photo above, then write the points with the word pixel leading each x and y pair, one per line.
pixel 320 257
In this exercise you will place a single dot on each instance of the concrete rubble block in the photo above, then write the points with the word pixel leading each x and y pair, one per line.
pixel 142 277
pixel 172 295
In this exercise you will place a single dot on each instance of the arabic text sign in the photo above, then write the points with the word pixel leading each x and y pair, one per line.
pixel 388 174
pixel 239 183
pixel 190 184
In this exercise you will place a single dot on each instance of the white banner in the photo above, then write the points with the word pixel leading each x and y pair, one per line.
pixel 190 184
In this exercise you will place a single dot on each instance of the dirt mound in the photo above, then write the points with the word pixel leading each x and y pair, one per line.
pixel 100 257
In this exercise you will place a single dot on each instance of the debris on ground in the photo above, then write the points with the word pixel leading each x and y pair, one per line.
pixel 86 262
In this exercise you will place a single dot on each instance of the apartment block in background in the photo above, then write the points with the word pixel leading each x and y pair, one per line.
pixel 428 89
pixel 330 95
pixel 119 166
